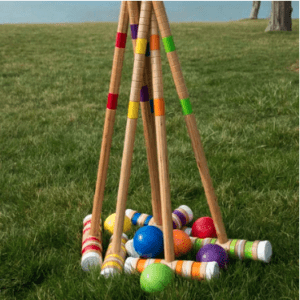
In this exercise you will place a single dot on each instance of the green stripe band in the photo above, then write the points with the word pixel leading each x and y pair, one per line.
pixel 186 106
pixel 198 245
pixel 213 241
pixel 231 248
pixel 169 44
pixel 248 249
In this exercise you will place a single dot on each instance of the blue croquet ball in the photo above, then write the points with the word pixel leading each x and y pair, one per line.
pixel 211 252
pixel 148 241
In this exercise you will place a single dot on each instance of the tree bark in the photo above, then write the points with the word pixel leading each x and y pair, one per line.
pixel 281 16
pixel 255 9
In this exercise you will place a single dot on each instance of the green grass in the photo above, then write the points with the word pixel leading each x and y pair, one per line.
pixel 244 91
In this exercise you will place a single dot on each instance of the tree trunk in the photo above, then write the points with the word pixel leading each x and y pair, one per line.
pixel 281 16
pixel 255 9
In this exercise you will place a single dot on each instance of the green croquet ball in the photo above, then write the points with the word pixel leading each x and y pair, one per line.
pixel 156 277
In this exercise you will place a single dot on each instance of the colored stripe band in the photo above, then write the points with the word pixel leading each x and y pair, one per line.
pixel 154 42
pixel 147 220
pixel 232 247
pixel 248 250
pixel 133 110
pixel 91 239
pixel 135 218
pixel 114 256
pixel 85 230
pixel 87 222
pixel 144 94
pixel 152 106
pixel 197 245
pixel 159 107
pixel 148 50
pixel 169 44
pixel 134 31
pixel 181 217
pixel 174 225
pixel 141 45
pixel 112 264
pixel 91 247
pixel 122 247
pixel 186 106
pixel 121 40
pixel 112 101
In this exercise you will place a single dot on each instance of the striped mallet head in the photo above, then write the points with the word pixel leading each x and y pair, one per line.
pixel 188 269
pixel 91 246
pixel 242 249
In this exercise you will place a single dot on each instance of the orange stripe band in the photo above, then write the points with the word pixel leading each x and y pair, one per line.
pixel 159 107
pixel 154 42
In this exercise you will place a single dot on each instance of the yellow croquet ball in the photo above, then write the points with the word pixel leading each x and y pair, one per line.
pixel 109 224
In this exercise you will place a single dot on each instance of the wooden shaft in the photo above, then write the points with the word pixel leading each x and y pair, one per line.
pixel 134 13
pixel 205 177
pixel 162 152
pixel 148 124
pixel 136 84
pixel 108 126
pixel 190 120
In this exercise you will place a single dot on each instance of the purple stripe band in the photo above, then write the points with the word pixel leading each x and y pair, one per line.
pixel 174 225
pixel 181 216
pixel 144 94
pixel 134 31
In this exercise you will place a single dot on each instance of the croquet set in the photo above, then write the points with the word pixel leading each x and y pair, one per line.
pixel 165 231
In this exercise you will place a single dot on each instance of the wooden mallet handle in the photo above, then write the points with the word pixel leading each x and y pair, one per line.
pixel 161 137
pixel 190 120
pixel 115 80
pixel 136 84
pixel 148 118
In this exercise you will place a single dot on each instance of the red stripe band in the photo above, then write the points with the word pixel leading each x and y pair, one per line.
pixel 87 222
pixel 112 101
pixel 91 239
pixel 91 247
pixel 85 230
pixel 121 40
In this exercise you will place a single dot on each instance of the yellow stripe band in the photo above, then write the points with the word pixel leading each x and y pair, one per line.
pixel 112 264
pixel 141 46
pixel 133 110
pixel 115 256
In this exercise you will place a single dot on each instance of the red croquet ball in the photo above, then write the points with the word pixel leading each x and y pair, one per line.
pixel 203 228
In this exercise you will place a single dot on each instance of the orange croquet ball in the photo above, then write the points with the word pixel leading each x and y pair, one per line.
pixel 182 243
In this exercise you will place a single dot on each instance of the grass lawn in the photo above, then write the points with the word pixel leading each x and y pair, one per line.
pixel 244 90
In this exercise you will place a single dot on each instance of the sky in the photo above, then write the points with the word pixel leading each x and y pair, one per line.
pixel 108 11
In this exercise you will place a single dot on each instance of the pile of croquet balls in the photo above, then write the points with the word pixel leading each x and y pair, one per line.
pixel 148 243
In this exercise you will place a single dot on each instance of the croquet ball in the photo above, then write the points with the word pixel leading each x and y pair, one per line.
pixel 182 243
pixel 211 252
pixel 203 228
pixel 156 277
pixel 148 241
pixel 109 224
